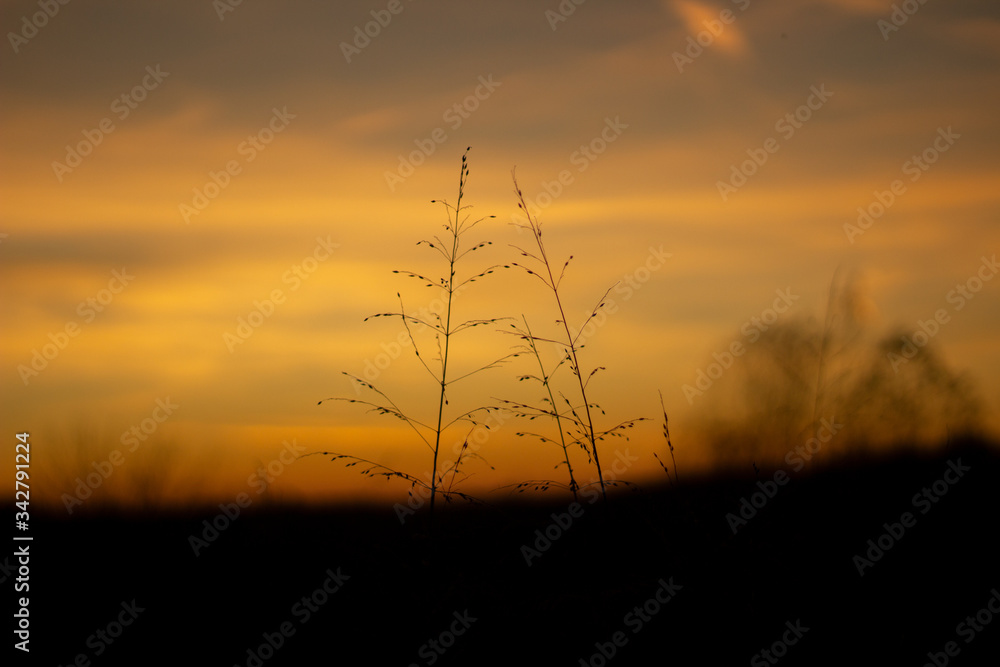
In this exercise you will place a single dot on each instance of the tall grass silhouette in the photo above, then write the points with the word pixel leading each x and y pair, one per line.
pixel 442 326
pixel 574 420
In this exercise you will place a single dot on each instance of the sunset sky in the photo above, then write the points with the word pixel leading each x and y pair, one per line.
pixel 167 169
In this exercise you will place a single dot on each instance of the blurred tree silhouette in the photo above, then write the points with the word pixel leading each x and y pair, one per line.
pixel 801 371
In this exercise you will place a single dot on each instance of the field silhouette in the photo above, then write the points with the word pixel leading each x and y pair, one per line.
pixel 545 579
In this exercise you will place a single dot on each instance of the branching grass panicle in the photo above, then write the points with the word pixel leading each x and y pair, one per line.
pixel 575 420
pixel 442 326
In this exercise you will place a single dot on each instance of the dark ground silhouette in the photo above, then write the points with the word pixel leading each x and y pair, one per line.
pixel 787 574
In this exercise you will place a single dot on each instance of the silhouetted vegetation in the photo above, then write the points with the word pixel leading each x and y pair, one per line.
pixel 802 370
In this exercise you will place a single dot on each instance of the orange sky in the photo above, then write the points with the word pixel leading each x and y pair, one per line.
pixel 213 160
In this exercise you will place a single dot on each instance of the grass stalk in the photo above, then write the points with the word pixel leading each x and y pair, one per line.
pixel 545 379
pixel 443 329
pixel 570 345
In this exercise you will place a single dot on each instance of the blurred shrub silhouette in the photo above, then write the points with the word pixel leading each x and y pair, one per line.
pixel 802 370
